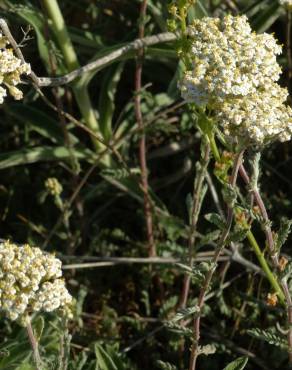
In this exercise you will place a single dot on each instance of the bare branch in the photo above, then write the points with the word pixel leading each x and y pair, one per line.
pixel 94 65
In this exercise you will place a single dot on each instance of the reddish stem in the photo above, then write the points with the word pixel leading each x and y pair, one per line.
pixel 34 346
pixel 142 144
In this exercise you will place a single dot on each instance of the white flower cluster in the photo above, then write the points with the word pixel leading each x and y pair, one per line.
pixel 30 281
pixel 262 116
pixel 287 3
pixel 234 72
pixel 228 59
pixel 11 69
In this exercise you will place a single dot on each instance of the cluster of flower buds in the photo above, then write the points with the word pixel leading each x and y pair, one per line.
pixel 175 9
pixel 53 186
pixel 11 69
pixel 30 281
pixel 234 73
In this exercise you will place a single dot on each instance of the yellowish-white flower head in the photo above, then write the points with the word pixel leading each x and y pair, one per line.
pixel 286 3
pixel 30 281
pixel 11 69
pixel 228 60
pixel 234 73
pixel 258 118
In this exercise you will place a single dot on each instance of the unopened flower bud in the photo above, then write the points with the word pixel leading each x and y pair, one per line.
pixel 272 299
pixel 282 263
pixel 53 186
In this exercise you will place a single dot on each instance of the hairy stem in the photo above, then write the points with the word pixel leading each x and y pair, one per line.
pixel 269 274
pixel 250 236
pixel 204 289
pixel 35 348
pixel 142 144
pixel 214 147
pixel 273 254
pixel 198 185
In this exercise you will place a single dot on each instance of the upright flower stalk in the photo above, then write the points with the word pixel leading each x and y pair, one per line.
pixel 274 255
pixel 231 82
pixel 209 275
pixel 195 211
pixel 249 235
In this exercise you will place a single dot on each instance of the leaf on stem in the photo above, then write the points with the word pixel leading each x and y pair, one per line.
pixel 269 336
pixel 184 313
pixel 238 364
pixel 283 233
pixel 216 219
pixel 165 365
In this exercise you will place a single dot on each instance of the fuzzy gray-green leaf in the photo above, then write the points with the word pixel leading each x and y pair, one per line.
pixel 216 219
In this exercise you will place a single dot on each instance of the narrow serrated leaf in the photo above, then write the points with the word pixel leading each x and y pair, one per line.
pixel 185 312
pixel 283 233
pixel 269 336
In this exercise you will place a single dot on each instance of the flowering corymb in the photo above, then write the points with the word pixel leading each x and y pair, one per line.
pixel 234 73
pixel 228 60
pixel 30 281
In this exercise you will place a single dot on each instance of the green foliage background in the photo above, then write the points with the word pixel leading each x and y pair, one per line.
pixel 122 308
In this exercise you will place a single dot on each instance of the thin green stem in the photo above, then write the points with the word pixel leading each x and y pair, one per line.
pixel 183 20
pixel 214 147
pixel 183 13
pixel 251 238
pixel 269 274
pixel 71 60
